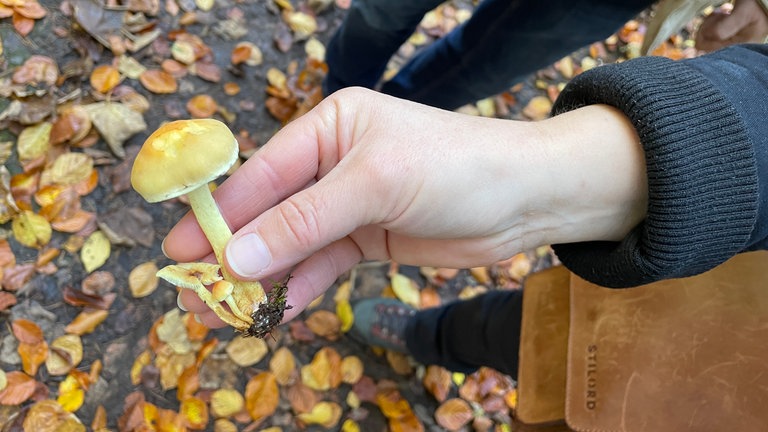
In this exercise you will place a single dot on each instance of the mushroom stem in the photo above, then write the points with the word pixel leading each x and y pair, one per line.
pixel 210 220
pixel 218 233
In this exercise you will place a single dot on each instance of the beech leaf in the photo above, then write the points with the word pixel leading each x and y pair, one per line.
pixel 116 123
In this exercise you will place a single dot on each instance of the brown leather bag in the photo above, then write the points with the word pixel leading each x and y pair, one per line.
pixel 679 355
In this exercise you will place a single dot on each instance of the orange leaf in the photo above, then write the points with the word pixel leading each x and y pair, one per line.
pixel 18 389
pixel 158 81
pixel 202 106
pixel 32 356
pixel 454 414
pixel 27 331
pixel 86 321
pixel 104 78
pixel 261 396
pixel 392 404
pixel 231 88
pixel 189 382
pixel 324 372
pixel 437 380
pixel 22 24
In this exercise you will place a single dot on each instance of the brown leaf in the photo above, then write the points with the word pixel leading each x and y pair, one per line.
pixel 129 227
pixel 453 414
pixel 14 278
pixel 19 388
pixel 37 69
pixel 324 324
pixel 437 380
pixel 78 298
pixel 261 396
pixel 98 283
pixel 6 300
pixel 302 398
pixel 27 331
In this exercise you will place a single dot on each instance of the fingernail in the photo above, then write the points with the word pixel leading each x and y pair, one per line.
pixel 179 304
pixel 198 319
pixel 248 256
pixel 162 248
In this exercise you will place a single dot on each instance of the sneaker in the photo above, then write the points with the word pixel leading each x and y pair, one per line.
pixel 381 322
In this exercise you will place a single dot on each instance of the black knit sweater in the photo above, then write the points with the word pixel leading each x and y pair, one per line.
pixel 703 124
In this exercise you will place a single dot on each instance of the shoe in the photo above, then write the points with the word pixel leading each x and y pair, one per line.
pixel 381 322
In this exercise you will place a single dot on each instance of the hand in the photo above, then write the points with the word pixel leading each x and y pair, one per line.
pixel 747 23
pixel 368 176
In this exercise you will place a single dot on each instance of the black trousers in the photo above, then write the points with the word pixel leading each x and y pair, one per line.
pixel 467 334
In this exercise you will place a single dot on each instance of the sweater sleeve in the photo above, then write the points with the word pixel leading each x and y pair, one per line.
pixel 703 124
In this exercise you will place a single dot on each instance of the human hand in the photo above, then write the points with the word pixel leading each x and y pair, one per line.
pixel 747 23
pixel 368 176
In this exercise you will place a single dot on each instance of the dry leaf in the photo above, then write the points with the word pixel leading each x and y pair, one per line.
pixel 345 315
pixel 324 372
pixel 454 414
pixel 32 356
pixel 302 24
pixel 283 365
pixel 50 416
pixel 19 388
pixel 66 352
pixel 37 69
pixel 324 324
pixel 34 141
pixel 437 381
pixel 95 251
pixel 86 321
pixel 71 394
pixel 116 123
pixel 226 402
pixel 325 414
pixel 351 369
pixel 246 351
pixel 104 78
pixel 195 412
pixel 261 396
pixel 142 280
pixel 538 108
pixel 27 331
pixel 406 290
pixel 31 229
pixel 72 125
pixel 202 106
pixel 71 168
pixel 143 359
pixel 158 81
pixel 246 52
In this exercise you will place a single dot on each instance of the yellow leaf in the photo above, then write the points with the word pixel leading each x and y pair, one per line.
pixel 204 5
pixel 324 372
pixel 350 425
pixel 406 290
pixel 344 312
pixel 71 168
pixel 142 360
pixel 282 365
pixel 49 416
pixel 325 414
pixel 226 402
pixel 351 369
pixel 247 351
pixel 71 394
pixel 224 425
pixel 31 229
pixel 315 49
pixel 3 380
pixel 302 24
pixel 195 412
pixel 34 141
pixel 173 332
pixel 95 251
pixel 143 280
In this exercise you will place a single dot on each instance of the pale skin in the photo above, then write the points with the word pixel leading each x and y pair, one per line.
pixel 364 176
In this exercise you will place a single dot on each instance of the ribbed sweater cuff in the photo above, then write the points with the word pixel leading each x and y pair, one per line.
pixel 702 177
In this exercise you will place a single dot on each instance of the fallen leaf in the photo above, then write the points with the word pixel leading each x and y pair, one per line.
pixel 324 324
pixel 66 353
pixel 195 412
pixel 158 81
pixel 95 251
pixel 50 416
pixel 282 364
pixel 31 229
pixel 302 398
pixel 437 381
pixel 202 106
pixel 324 372
pixel 142 280
pixel 538 108
pixel 325 414
pixel 116 123
pixel 104 78
pixel 86 321
pixel 34 141
pixel 406 290
pixel 71 168
pixel 226 402
pixel 37 69
pixel 351 369
pixel 345 315
pixel 19 388
pixel 71 394
pixel 246 352
pixel 261 396
pixel 454 414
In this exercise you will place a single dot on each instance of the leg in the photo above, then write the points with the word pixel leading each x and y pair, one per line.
pixel 503 42
pixel 371 32
pixel 464 335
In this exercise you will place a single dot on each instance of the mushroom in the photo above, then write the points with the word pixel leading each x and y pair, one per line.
pixel 183 157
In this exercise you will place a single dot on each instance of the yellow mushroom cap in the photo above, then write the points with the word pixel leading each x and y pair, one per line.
pixel 181 156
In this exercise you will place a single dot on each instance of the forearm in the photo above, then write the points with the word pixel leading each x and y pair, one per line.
pixel 702 126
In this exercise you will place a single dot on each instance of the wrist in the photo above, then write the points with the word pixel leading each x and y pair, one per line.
pixel 593 184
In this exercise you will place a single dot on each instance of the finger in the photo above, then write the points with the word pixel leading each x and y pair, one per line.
pixel 210 320
pixel 302 151
pixel 313 277
pixel 188 301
